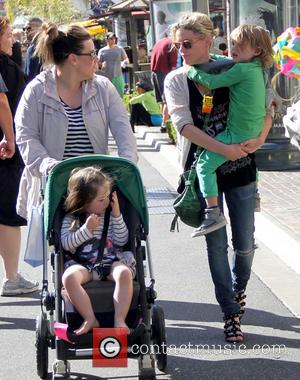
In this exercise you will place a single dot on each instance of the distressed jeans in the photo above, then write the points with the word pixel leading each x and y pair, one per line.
pixel 240 202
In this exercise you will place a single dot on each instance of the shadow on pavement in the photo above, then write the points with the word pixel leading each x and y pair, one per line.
pixel 231 369
pixel 21 303
pixel 17 324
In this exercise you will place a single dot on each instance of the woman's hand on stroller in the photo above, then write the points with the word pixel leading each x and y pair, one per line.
pixel 115 208
pixel 93 221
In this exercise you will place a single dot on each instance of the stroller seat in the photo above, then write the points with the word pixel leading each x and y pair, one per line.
pixel 101 295
pixel 101 292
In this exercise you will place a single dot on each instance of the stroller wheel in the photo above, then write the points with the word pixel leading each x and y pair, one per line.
pixel 159 337
pixel 41 344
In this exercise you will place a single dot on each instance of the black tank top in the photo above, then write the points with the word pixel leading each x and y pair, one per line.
pixel 232 173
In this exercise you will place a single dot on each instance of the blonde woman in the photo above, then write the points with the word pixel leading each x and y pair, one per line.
pixel 192 35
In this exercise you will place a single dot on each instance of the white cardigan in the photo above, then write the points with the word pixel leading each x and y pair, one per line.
pixel 41 128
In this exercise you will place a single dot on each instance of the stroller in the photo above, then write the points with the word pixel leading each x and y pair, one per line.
pixel 55 308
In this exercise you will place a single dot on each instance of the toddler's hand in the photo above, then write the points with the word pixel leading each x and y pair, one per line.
pixel 115 208
pixel 92 222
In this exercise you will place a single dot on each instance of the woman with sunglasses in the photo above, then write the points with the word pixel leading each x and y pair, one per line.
pixel 67 110
pixel 193 36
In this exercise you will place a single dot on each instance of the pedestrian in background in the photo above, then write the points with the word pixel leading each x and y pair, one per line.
pixel 144 109
pixel 67 110
pixel 10 175
pixel 17 48
pixel 32 64
pixel 192 36
pixel 163 60
pixel 112 59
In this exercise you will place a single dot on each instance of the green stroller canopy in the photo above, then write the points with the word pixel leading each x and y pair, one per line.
pixel 126 176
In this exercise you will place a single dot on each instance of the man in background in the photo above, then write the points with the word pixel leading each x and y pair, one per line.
pixel 32 64
pixel 163 60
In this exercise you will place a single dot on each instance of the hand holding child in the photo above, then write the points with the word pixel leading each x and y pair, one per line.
pixel 115 208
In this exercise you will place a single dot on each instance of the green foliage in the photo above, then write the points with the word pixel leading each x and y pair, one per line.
pixel 58 11
pixel 126 99
pixel 171 131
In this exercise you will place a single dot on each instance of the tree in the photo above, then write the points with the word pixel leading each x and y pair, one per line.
pixel 58 11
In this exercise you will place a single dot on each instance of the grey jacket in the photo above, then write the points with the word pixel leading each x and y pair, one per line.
pixel 41 128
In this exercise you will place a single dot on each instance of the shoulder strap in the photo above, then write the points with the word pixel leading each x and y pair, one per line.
pixel 104 235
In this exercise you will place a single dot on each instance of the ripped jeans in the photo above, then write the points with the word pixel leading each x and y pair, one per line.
pixel 240 202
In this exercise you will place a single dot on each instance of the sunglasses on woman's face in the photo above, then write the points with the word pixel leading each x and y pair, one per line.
pixel 92 54
pixel 186 44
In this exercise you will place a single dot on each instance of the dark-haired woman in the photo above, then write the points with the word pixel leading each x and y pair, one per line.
pixel 67 110
pixel 10 174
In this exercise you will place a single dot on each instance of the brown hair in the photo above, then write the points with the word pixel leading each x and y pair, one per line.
pixel 258 38
pixel 4 23
pixel 83 187
pixel 196 22
pixel 55 45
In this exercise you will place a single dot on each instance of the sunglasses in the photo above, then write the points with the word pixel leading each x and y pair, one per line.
pixel 27 28
pixel 186 44
pixel 92 54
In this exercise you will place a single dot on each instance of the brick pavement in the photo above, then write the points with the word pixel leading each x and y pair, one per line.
pixel 280 197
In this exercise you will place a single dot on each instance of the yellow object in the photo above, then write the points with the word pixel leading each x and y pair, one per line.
pixel 207 104
pixel 92 27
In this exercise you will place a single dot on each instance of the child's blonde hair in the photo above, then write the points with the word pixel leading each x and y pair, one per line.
pixel 258 38
pixel 83 186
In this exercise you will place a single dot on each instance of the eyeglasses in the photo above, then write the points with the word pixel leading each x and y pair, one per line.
pixel 92 54
pixel 187 44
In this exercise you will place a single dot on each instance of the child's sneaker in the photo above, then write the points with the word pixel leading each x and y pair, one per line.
pixel 19 286
pixel 213 220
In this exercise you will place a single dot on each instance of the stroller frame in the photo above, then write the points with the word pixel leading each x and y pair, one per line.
pixel 131 193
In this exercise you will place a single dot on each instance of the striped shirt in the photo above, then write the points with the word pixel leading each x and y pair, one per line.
pixel 78 141
pixel 72 239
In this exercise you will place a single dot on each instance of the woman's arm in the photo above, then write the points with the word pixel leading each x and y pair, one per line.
pixel 252 145
pixel 7 145
pixel 29 134
pixel 119 124
pixel 232 152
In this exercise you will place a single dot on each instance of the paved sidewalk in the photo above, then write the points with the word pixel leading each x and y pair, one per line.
pixel 280 193
pixel 277 226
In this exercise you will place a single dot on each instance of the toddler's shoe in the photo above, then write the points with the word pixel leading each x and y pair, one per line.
pixel 213 220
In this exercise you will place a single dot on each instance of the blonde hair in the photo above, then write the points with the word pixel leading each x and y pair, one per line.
pixel 83 187
pixel 196 22
pixel 4 23
pixel 54 45
pixel 258 38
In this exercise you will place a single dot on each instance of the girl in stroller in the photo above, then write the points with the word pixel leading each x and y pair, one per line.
pixel 89 196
